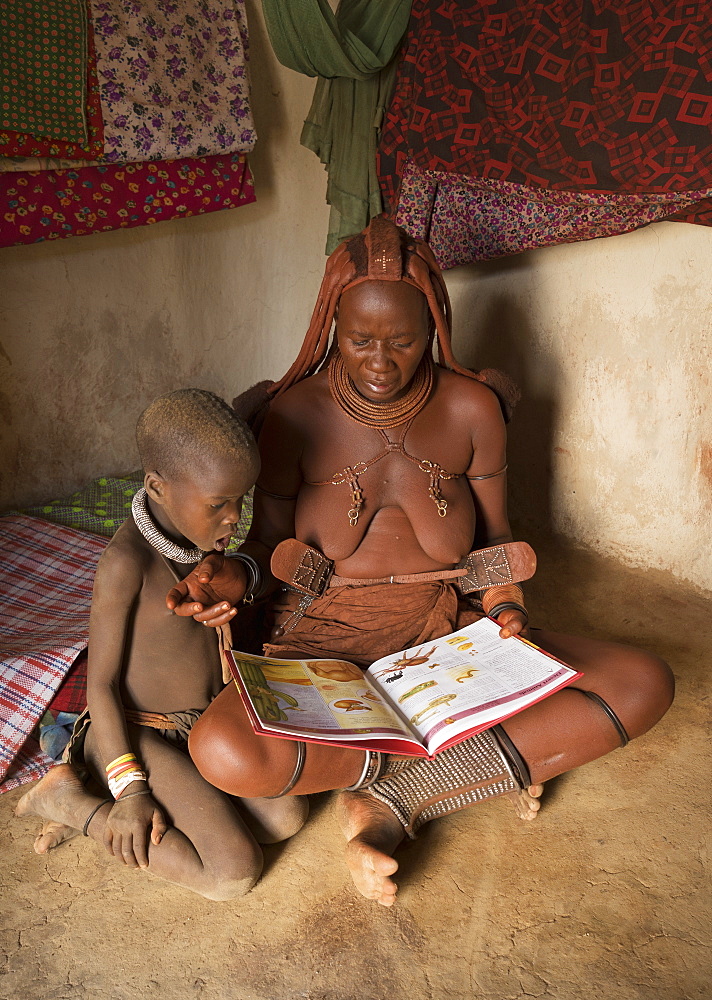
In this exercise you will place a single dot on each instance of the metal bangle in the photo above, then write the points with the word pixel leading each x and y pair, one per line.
pixel 519 765
pixel 370 773
pixel 296 773
pixel 489 475
pixel 130 795
pixel 605 707
pixel 92 814
pixel 256 584
pixel 508 606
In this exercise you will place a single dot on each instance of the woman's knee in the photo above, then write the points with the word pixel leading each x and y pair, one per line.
pixel 638 686
pixel 647 693
pixel 239 763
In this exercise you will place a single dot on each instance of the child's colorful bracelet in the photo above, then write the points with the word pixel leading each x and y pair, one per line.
pixel 123 759
pixel 116 786
pixel 122 771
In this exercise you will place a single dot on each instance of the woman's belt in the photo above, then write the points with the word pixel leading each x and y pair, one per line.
pixel 308 570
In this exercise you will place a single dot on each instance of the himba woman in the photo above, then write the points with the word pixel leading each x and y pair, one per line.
pixel 383 463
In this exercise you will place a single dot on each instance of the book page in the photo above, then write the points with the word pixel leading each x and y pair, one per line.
pixel 319 698
pixel 467 681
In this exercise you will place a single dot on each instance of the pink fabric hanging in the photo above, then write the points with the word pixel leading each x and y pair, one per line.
pixel 52 204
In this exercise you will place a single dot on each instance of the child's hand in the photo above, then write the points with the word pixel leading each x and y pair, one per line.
pixel 210 591
pixel 125 833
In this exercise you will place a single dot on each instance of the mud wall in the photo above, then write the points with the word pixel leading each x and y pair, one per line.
pixel 609 341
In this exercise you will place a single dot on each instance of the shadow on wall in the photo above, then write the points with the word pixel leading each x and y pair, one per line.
pixel 267 102
pixel 498 334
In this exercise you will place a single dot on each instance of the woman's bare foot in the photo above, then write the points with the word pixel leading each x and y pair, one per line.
pixel 526 802
pixel 62 801
pixel 373 833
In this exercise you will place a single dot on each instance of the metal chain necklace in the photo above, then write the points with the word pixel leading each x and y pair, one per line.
pixel 145 524
pixel 369 414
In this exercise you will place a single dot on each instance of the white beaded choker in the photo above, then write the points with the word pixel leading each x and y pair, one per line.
pixel 144 523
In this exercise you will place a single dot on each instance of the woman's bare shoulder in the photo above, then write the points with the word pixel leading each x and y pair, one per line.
pixel 300 405
pixel 307 392
pixel 469 395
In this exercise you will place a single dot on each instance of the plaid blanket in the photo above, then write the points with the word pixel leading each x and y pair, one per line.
pixel 48 572
pixel 72 693
pixel 50 556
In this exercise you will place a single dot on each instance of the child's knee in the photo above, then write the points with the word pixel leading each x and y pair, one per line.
pixel 287 817
pixel 234 877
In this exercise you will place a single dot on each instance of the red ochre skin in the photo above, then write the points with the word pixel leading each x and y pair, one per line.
pixel 382 332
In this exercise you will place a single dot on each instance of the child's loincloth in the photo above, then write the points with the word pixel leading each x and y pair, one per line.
pixel 173 727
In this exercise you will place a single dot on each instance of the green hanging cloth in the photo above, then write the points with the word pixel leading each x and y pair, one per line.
pixel 43 68
pixel 353 54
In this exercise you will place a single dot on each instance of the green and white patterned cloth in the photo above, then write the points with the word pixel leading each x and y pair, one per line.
pixel 105 503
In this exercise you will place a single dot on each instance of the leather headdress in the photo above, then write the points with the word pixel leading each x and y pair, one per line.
pixel 382 252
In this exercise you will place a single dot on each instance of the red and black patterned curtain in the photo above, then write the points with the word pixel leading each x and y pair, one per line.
pixel 518 124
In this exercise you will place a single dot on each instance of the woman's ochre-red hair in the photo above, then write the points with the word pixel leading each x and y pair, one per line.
pixel 382 252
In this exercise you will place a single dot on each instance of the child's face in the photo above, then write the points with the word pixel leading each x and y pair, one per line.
pixel 204 506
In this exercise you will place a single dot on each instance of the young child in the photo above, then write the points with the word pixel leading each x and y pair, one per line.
pixel 151 673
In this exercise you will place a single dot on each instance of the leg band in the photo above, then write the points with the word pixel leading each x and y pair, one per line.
pixel 517 762
pixel 372 767
pixel 620 728
pixel 297 773
pixel 92 814
pixel 418 790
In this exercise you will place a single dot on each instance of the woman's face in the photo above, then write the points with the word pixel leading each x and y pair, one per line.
pixel 382 333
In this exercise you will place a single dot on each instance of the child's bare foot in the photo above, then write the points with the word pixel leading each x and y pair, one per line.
pixel 526 802
pixel 52 835
pixel 62 801
pixel 373 833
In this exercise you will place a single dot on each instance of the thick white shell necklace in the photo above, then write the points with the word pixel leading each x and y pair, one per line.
pixel 145 524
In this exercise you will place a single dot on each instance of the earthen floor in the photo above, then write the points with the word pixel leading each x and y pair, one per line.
pixel 606 895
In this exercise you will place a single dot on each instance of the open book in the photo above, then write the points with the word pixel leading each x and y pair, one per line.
pixel 416 702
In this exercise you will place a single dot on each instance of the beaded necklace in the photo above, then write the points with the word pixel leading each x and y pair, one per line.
pixel 369 414
pixel 380 416
pixel 145 524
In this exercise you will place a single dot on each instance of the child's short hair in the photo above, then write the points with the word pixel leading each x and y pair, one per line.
pixel 183 427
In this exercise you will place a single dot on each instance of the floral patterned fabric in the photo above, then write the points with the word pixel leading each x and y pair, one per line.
pixel 162 84
pixel 173 78
pixel 470 219
pixel 51 204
